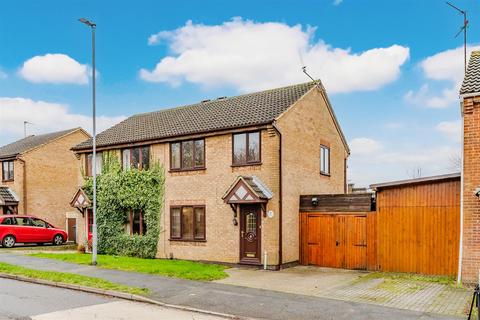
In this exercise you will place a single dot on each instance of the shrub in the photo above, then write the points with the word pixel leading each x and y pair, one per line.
pixel 120 191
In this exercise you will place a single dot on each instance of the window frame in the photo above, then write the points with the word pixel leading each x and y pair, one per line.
pixel 194 238
pixel 247 143
pixel 141 222
pixel 322 160
pixel 12 178
pixel 194 167
pixel 140 157
pixel 89 172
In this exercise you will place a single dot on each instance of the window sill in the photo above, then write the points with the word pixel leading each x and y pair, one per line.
pixel 325 174
pixel 188 240
pixel 187 170
pixel 9 180
pixel 251 164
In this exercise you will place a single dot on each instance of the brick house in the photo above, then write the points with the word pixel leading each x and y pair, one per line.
pixel 234 171
pixel 39 175
pixel 470 243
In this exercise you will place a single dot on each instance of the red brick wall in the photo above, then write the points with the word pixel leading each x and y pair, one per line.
pixel 471 203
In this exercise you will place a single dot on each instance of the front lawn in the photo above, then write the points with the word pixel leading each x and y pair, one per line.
pixel 68 278
pixel 171 268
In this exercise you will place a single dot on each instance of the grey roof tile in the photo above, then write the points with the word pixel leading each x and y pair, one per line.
pixel 223 113
pixel 7 195
pixel 30 142
pixel 471 81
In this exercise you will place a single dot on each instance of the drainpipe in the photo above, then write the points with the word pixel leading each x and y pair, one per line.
pixel 460 250
pixel 24 184
pixel 280 178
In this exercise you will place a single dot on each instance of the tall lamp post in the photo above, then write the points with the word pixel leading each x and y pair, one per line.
pixel 94 155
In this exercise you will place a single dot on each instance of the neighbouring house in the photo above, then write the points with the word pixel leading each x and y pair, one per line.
pixel 470 107
pixel 39 175
pixel 234 171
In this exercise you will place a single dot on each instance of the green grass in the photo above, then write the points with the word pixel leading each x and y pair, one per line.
pixel 46 247
pixel 69 278
pixel 171 268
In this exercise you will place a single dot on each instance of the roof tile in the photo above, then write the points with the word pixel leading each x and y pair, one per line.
pixel 224 113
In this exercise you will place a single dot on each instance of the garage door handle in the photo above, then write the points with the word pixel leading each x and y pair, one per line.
pixel 337 243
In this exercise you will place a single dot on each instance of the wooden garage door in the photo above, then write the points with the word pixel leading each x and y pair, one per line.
pixel 333 240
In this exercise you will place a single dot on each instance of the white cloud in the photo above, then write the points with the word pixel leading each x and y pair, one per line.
pixel 444 66
pixel 364 146
pixel 249 56
pixel 337 2
pixel 45 116
pixel 3 75
pixel 54 68
pixel 452 129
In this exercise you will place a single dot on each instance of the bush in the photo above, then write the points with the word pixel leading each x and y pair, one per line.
pixel 120 191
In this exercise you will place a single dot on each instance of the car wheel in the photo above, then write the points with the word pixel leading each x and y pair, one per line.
pixel 8 241
pixel 58 240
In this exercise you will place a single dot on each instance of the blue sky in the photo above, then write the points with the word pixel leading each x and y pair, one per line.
pixel 391 68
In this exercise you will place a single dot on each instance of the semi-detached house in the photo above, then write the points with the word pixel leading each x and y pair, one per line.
pixel 234 171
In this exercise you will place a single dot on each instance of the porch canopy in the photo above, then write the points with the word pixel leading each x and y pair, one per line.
pixel 247 190
pixel 8 201
pixel 81 201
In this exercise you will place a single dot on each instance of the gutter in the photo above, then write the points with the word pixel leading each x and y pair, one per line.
pixel 280 198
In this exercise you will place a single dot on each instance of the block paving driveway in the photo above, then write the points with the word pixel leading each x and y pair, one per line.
pixel 356 286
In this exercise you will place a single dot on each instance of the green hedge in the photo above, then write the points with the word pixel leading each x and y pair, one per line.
pixel 118 192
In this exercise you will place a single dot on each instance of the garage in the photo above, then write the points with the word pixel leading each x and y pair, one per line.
pixel 405 226
pixel 336 230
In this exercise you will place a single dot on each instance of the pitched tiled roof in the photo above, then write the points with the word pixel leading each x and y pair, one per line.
pixel 31 142
pixel 7 195
pixel 222 113
pixel 471 82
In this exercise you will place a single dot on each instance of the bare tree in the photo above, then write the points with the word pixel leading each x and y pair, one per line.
pixel 415 172
pixel 455 162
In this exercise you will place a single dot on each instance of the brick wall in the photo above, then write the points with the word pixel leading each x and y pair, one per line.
pixel 304 127
pixel 471 203
pixel 52 175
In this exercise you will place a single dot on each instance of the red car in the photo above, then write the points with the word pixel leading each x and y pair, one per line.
pixel 28 229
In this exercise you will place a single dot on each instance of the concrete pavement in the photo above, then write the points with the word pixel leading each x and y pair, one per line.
pixel 21 300
pixel 222 298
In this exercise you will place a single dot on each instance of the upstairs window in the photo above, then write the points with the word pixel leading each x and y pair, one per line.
pixel 7 170
pixel 187 223
pixel 246 148
pixel 324 160
pixel 138 158
pixel 98 163
pixel 187 155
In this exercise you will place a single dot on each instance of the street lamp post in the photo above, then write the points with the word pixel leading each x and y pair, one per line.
pixel 94 155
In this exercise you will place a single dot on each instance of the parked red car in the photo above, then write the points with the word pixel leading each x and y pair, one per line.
pixel 28 229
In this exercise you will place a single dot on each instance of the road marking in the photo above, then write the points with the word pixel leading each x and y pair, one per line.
pixel 123 310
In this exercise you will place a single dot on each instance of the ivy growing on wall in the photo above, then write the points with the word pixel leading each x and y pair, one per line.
pixel 120 191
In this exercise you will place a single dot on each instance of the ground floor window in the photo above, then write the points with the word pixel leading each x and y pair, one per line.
pixel 187 223
pixel 138 224
pixel 9 209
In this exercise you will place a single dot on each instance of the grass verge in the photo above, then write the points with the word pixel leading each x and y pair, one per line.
pixel 69 278
pixel 171 268
pixel 46 247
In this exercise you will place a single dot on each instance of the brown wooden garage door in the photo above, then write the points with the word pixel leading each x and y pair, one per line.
pixel 334 240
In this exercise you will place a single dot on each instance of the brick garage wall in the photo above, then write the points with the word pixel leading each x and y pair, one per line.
pixel 471 203
pixel 207 187
pixel 52 176
pixel 305 126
